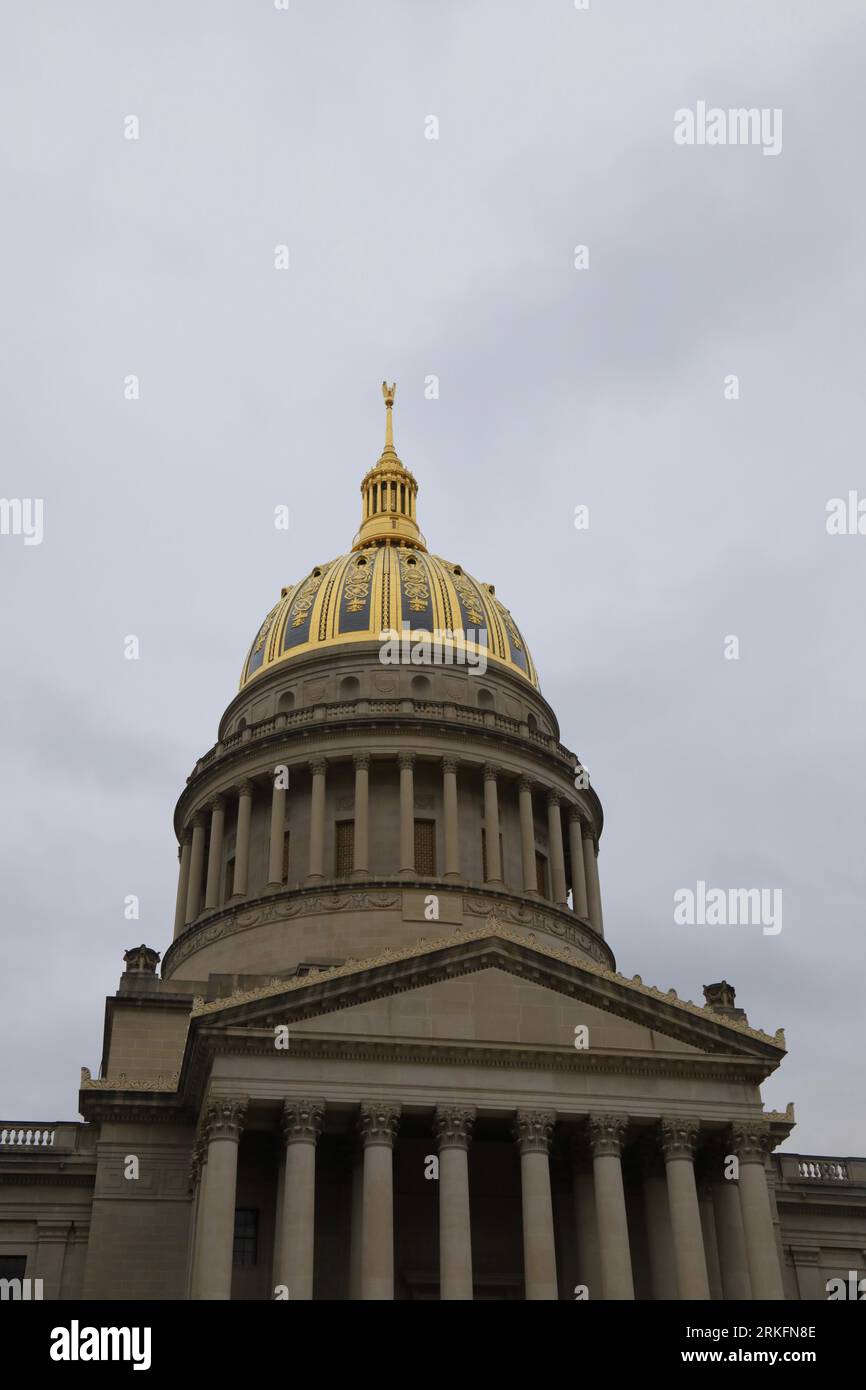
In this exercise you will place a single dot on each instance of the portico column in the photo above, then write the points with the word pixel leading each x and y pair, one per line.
pixel 586 1225
pixel 580 907
pixel 449 801
pixel 51 1242
pixel 733 1264
pixel 302 1125
pixel 318 771
pixel 657 1215
pixel 527 838
pixel 751 1145
pixel 593 890
pixel 606 1136
pixel 278 826
pixel 533 1130
pixel 224 1122
pixel 678 1140
pixel 196 866
pixel 557 857
pixel 198 1168
pixel 711 1244
pixel 182 883
pixel 491 826
pixel 452 1126
pixel 361 849
pixel 378 1127
pixel 407 814
pixel 242 840
pixel 215 852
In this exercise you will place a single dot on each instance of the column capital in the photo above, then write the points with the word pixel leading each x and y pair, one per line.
pixel 198 821
pixel 302 1120
pixel 406 761
pixel 587 831
pixel 186 837
pixel 678 1136
pixel 491 772
pixel 533 1130
pixel 450 764
pixel 574 815
pixel 216 803
pixel 554 798
pixel 452 1126
pixel 361 761
pixel 526 784
pixel 607 1135
pixel 752 1140
pixel 245 788
pixel 318 766
pixel 378 1121
pixel 224 1118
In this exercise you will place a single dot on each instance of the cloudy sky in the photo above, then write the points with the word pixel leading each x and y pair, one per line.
pixel 559 387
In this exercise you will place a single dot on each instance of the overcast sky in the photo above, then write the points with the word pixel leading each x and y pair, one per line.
pixel 558 387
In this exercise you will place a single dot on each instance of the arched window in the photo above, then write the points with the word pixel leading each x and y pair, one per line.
pixel 285 702
pixel 485 698
pixel 421 687
pixel 350 688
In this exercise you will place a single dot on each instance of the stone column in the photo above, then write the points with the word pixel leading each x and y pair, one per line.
pixel 242 840
pixel 731 1241
pixel 223 1125
pixel 491 826
pixel 378 1126
pixel 679 1138
pixel 586 1224
pixel 527 838
pixel 449 801
pixel 361 850
pixel 557 856
pixel 278 829
pixel 196 868
pixel 318 770
pixel 606 1136
pixel 277 1261
pixel 751 1145
pixel 215 852
pixel 452 1126
pixel 533 1130
pixel 663 1273
pixel 199 1171
pixel 593 889
pixel 711 1244
pixel 302 1125
pixel 580 906
pixel 407 814
pixel 182 883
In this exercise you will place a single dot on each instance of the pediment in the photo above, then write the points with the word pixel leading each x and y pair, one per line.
pixel 491 985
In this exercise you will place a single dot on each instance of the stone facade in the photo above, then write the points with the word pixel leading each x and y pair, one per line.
pixel 389 1054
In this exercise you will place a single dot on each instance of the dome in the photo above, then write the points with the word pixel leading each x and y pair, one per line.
pixel 388 585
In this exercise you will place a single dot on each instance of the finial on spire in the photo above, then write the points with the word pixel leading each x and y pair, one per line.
pixel 388 393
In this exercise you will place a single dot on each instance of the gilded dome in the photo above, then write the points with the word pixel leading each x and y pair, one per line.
pixel 387 587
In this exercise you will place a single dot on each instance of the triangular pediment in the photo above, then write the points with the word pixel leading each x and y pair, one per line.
pixel 490 985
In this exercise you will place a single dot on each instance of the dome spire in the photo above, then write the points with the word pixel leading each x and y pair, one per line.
pixel 389 491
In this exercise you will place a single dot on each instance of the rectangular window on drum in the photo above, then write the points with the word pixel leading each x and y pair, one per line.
pixel 344 849
pixel 425 848
pixel 541 874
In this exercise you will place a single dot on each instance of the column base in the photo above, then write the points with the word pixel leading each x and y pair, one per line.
pixel 360 873
pixel 313 879
pixel 274 887
pixel 452 877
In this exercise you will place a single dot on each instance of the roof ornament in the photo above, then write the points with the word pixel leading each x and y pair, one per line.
pixel 388 394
